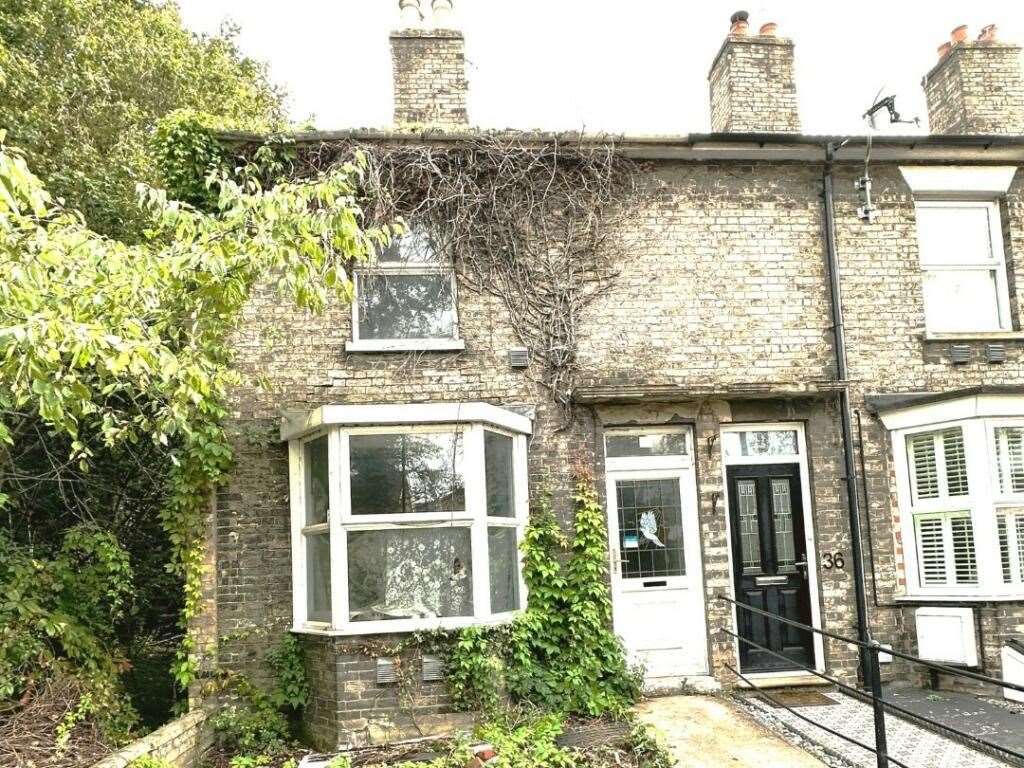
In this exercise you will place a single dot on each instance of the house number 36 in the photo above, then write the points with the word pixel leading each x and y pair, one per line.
pixel 831 560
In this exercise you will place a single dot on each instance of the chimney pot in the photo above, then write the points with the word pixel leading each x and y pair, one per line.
pixel 409 11
pixel 944 50
pixel 769 29
pixel 442 14
pixel 959 34
pixel 739 23
pixel 988 34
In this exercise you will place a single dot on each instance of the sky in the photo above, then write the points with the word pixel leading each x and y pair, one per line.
pixel 636 66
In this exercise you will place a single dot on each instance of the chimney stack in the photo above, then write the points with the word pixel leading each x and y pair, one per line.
pixel 429 67
pixel 751 81
pixel 977 86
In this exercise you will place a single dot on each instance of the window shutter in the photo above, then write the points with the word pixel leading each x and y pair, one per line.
pixel 926 473
pixel 956 462
pixel 965 564
pixel 1004 548
pixel 1010 458
pixel 931 550
pixel 1019 519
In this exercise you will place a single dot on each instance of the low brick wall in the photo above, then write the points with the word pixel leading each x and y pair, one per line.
pixel 180 742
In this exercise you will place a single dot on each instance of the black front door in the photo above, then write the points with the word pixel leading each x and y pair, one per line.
pixel 770 565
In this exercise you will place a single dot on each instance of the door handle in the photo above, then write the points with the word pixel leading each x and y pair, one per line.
pixel 802 565
pixel 616 563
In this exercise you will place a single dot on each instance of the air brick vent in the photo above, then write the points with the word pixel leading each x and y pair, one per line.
pixel 959 353
pixel 387 671
pixel 995 353
pixel 433 669
pixel 519 357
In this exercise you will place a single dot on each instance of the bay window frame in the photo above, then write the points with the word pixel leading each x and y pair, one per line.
pixel 342 520
pixel 982 503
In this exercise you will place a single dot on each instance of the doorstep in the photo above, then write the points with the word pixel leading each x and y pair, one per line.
pixel 781 680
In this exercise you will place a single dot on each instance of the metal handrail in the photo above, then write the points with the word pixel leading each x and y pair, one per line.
pixel 875 645
pixel 853 691
pixel 872 674
pixel 843 736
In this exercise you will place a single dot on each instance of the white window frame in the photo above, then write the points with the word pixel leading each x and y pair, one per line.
pixel 438 344
pixel 978 418
pixel 996 264
pixel 341 521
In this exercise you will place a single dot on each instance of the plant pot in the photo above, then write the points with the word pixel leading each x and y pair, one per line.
pixel 959 34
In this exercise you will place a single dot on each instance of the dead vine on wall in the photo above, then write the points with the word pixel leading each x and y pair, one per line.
pixel 528 222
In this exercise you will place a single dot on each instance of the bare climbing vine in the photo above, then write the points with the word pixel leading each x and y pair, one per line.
pixel 529 222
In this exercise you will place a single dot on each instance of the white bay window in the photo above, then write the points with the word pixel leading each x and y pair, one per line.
pixel 960 479
pixel 406 517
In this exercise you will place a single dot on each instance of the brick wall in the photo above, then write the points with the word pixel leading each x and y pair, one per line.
pixel 977 87
pixel 429 67
pixel 752 86
pixel 724 288
pixel 181 742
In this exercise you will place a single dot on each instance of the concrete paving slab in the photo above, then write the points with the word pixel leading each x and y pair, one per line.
pixel 710 732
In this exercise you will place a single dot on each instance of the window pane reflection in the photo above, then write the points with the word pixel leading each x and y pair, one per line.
pixel 402 473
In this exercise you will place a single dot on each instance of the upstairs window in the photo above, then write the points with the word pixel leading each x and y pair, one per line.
pixel 405 300
pixel 963 267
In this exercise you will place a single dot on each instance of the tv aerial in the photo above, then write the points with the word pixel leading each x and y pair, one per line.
pixel 866 211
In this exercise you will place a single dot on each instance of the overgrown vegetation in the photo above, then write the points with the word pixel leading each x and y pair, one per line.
pixel 529 223
pixel 561 655
pixel 111 346
pixel 84 82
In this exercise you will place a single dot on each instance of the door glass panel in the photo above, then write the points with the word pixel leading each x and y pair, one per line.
pixel 782 520
pixel 762 442
pixel 750 527
pixel 650 528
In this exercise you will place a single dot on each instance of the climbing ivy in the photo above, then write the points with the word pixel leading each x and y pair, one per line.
pixel 561 654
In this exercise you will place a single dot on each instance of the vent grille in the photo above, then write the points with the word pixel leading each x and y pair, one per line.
pixel 433 669
pixel 387 671
pixel 996 353
pixel 959 353
pixel 519 357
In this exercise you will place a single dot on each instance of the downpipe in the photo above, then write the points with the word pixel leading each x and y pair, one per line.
pixel 845 418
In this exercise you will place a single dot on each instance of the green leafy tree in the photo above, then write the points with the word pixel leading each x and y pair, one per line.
pixel 84 82
pixel 113 346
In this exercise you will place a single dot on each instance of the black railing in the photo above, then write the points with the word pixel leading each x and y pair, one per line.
pixel 873 682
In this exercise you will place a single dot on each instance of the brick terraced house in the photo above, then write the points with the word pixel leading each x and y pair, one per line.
pixel 776 339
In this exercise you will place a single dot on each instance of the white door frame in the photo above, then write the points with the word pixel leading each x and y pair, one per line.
pixel 683 470
pixel 808 511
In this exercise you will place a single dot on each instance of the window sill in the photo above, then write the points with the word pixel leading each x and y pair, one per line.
pixel 973 598
pixel 949 336
pixel 399 626
pixel 407 345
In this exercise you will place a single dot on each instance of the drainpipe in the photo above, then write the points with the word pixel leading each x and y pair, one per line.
pixel 838 327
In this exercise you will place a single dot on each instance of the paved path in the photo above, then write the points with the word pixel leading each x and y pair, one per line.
pixel 963 711
pixel 915 746
pixel 710 732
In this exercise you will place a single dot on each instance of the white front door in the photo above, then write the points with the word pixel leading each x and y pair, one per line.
pixel 657 580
